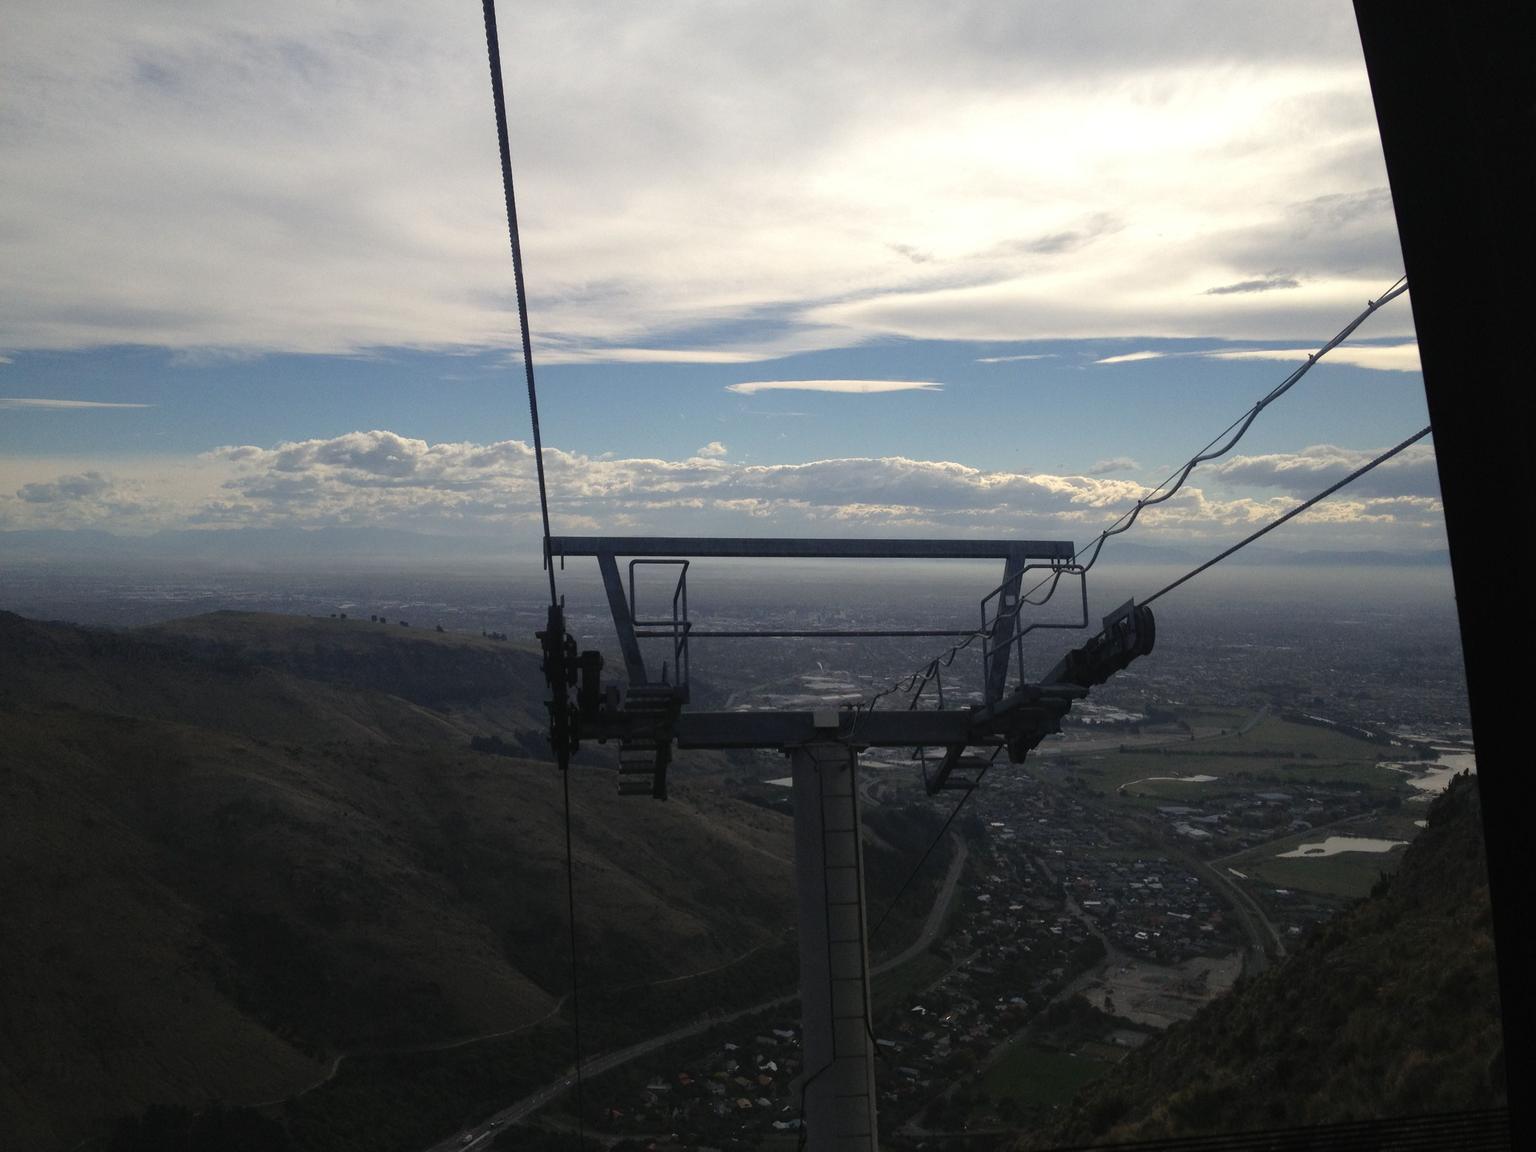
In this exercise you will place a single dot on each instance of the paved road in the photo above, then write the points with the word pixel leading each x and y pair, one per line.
pixel 433 1046
pixel 1255 923
pixel 595 1067
pixel 936 914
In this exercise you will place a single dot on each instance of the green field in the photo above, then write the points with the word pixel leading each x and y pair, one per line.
pixel 1032 1075
pixel 1349 874
pixel 1215 719
pixel 1276 753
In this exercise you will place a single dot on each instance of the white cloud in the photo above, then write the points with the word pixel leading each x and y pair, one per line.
pixel 1011 359
pixel 66 489
pixel 323 178
pixel 857 387
pixel 130 495
pixel 66 405
pixel 382 479
pixel 713 449
pixel 1115 464
pixel 649 356
pixel 74 500
pixel 1412 473
pixel 1131 357
pixel 1259 284
pixel 1382 357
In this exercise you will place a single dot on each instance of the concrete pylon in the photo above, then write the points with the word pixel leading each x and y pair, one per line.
pixel 839 1074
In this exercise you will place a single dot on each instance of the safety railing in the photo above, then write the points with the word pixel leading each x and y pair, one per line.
pixel 676 628
pixel 1002 626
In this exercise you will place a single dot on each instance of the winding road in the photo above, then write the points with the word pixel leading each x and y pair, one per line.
pixel 528 1105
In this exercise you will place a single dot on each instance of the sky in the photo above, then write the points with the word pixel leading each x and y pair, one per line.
pixel 875 269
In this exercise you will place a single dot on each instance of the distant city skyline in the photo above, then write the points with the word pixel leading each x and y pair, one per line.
pixel 880 270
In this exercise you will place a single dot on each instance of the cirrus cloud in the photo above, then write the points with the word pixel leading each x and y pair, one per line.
pixel 1261 284
pixel 1131 357
pixel 1381 357
pixel 61 405
pixel 847 387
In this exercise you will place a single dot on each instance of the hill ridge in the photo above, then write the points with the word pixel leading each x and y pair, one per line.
pixel 1389 1009
pixel 226 858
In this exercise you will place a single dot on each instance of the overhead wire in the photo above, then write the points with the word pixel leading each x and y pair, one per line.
pixel 493 47
pixel 1293 513
pixel 1232 434
pixel 931 670
pixel 1375 462
pixel 937 839
pixel 493 50
pixel 1241 424
pixel 1179 475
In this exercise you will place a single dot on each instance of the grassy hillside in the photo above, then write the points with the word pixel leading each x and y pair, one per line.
pixel 442 670
pixel 236 845
pixel 1389 1009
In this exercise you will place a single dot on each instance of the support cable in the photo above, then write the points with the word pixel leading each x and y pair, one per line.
pixel 1241 544
pixel 493 51
pixel 804 1085
pixel 493 47
pixel 570 908
pixel 1294 512
pixel 1241 426
pixel 918 867
pixel 1233 432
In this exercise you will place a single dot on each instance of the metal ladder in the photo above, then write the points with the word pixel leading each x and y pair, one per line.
pixel 643 758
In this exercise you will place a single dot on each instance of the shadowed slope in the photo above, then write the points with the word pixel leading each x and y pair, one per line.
pixel 218 869
pixel 1390 1009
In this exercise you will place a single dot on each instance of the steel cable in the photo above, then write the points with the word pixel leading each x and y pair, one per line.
pixel 1270 527
pixel 493 48
pixel 943 829
pixel 493 51
pixel 1233 433
pixel 1294 512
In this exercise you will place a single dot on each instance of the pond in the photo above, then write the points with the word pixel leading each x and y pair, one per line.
pixel 1431 777
pixel 1336 844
